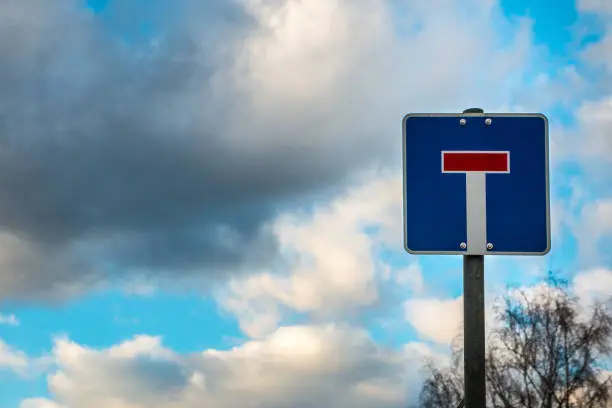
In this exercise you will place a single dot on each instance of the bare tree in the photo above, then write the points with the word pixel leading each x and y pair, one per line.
pixel 443 388
pixel 545 351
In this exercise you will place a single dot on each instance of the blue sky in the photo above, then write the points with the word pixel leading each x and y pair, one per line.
pixel 273 128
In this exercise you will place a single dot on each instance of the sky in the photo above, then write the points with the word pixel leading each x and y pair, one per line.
pixel 201 202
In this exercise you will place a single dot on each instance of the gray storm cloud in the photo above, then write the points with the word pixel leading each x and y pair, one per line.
pixel 133 138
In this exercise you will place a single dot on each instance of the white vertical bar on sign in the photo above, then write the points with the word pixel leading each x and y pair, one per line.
pixel 476 203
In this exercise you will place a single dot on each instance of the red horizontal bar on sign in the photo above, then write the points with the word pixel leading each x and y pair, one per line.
pixel 475 161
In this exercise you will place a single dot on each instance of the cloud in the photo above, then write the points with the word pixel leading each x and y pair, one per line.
pixel 39 403
pixel 171 149
pixel 594 119
pixel 586 149
pixel 10 320
pixel 586 140
pixel 593 285
pixel 599 52
pixel 17 362
pixel 598 6
pixel 592 227
pixel 410 277
pixel 12 359
pixel 298 366
pixel 585 82
pixel 332 266
pixel 435 319
pixel 440 320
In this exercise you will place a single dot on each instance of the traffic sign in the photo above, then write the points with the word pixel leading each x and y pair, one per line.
pixel 476 184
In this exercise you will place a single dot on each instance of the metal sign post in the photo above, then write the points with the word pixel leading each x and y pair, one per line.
pixel 474 331
pixel 476 185
pixel 474 317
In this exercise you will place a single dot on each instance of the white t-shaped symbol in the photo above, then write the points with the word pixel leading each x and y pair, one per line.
pixel 475 165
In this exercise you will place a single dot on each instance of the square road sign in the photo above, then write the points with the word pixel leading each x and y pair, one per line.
pixel 476 184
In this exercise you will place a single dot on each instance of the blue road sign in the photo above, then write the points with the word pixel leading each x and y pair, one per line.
pixel 476 184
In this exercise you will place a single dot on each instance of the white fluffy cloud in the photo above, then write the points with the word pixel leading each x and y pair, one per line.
pixel 440 320
pixel 435 319
pixel 15 361
pixel 591 141
pixel 593 285
pixel 12 359
pixel 331 254
pixel 299 366
pixel 40 403
pixel 368 47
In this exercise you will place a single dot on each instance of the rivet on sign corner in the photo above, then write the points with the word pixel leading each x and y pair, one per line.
pixel 488 121
pixel 489 246
pixel 462 122
pixel 463 245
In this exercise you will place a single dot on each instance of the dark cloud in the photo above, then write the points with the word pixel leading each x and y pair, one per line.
pixel 127 133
